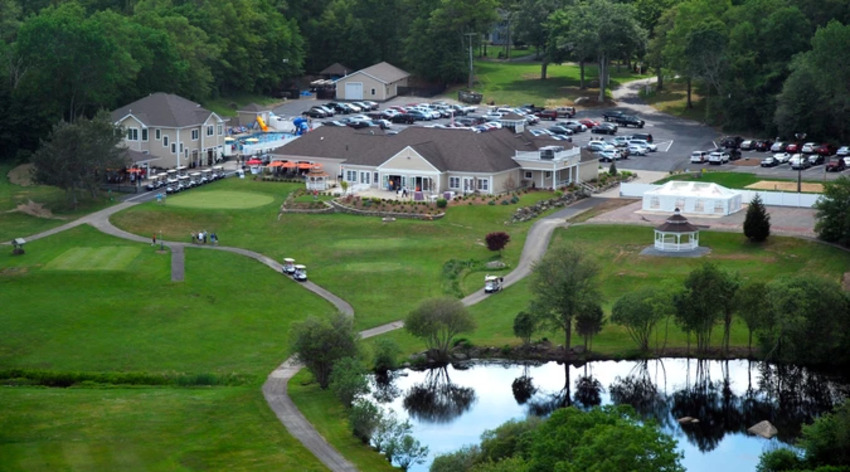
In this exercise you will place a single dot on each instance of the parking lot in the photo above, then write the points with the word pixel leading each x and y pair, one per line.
pixel 675 138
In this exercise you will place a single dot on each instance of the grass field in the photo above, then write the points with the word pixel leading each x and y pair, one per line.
pixel 742 180
pixel 216 199
pixel 95 258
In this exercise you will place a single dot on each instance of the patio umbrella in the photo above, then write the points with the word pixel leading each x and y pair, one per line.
pixel 289 165
pixel 304 165
pixel 276 164
pixel 254 162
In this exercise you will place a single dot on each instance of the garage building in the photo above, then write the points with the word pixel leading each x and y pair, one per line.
pixel 379 82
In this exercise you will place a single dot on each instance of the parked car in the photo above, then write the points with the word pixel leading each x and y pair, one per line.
pixel 550 115
pixel 558 129
pixel 699 157
pixel 609 156
pixel 383 124
pixel 419 115
pixel 718 157
pixel 809 148
pixel 403 118
pixel 731 142
pixel 645 136
pixel 769 161
pixel 782 157
pixel 825 150
pixel 640 142
pixel 358 124
pixel 799 161
pixel 620 141
pixel 611 115
pixel 835 164
pixel 816 159
pixel 315 113
pixel 598 146
pixel 330 111
pixel 792 148
pixel 588 122
pixel 747 145
pixel 637 150
pixel 573 126
pixel 604 128
pixel 778 146
pixel 562 137
pixel 762 145
pixel 843 151
pixel 568 112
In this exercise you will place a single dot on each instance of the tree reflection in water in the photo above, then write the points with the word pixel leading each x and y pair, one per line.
pixel 437 399
pixel 642 394
pixel 384 389
pixel 588 390
pixel 523 387
pixel 712 403
pixel 545 404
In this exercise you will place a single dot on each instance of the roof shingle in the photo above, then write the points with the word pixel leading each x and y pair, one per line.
pixel 164 110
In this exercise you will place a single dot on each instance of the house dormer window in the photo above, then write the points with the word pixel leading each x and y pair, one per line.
pixel 132 134
pixel 144 134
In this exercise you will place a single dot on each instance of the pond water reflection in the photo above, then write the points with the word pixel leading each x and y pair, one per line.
pixel 452 406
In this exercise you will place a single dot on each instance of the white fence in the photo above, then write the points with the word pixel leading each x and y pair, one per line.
pixel 789 199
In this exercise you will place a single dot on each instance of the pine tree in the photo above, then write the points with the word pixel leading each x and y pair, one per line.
pixel 757 223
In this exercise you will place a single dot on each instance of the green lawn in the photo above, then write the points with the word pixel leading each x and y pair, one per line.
pixel 737 180
pixel 16 224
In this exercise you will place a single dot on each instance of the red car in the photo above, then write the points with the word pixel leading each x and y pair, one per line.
pixel 551 115
pixel 825 150
pixel 792 148
pixel 589 123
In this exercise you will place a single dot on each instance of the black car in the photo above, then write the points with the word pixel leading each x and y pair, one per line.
pixel 629 120
pixel 560 130
pixel 604 128
pixel 612 115
pixel 403 118
pixel 731 142
pixel 315 113
pixel 644 136
pixel 357 124
pixel 339 107
pixel 762 145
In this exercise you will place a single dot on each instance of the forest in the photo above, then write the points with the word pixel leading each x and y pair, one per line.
pixel 774 67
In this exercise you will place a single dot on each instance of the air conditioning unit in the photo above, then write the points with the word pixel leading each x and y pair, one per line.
pixel 548 152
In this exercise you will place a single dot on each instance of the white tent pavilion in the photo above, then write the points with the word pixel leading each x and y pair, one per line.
pixel 676 234
pixel 693 198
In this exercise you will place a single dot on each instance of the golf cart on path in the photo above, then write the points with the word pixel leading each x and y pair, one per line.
pixel 492 283
pixel 300 273
pixel 288 266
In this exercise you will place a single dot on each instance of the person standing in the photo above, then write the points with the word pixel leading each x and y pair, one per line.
pixel 153 240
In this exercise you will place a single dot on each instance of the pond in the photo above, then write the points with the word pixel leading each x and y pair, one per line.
pixel 451 407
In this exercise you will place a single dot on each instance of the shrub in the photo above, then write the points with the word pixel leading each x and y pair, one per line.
pixel 506 202
pixel 348 380
pixel 442 203
pixel 491 202
pixel 386 352
pixel 364 418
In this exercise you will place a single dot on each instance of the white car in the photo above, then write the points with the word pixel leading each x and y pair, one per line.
pixel 809 148
pixel 699 157
pixel 843 151
pixel 598 146
pixel 643 143
pixel 620 141
pixel 637 150
pixel 718 157
pixel 782 157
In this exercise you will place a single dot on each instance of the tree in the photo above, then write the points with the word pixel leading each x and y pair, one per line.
pixel 563 284
pixel 636 311
pixel 832 223
pixel 589 322
pixel 752 306
pixel 525 324
pixel 76 155
pixel 348 380
pixel 364 417
pixel 385 353
pixel 702 303
pixel 319 343
pixel 437 321
pixel 825 445
pixel 461 460
pixel 497 241
pixel 393 439
pixel 757 222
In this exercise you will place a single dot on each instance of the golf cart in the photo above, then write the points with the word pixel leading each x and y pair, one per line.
pixel 492 283
pixel 300 273
pixel 288 266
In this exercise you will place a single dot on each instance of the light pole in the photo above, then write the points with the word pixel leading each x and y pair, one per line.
pixel 470 35
pixel 800 137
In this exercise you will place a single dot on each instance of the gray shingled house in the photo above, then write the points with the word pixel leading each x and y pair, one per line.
pixel 436 160
pixel 174 131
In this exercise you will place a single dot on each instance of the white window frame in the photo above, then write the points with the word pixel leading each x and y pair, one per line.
pixel 351 176
pixel 165 140
pixel 365 177
pixel 173 148
pixel 144 134
pixel 454 182
pixel 210 130
pixel 220 129
pixel 529 174
pixel 157 134
pixel 132 134
pixel 195 134
pixel 483 185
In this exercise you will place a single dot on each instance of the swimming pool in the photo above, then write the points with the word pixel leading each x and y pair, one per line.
pixel 266 137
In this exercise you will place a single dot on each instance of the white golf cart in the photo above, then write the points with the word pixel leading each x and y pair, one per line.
pixel 492 283
pixel 288 266
pixel 300 273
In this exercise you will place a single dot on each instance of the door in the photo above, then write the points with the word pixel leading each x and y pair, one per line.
pixel 354 91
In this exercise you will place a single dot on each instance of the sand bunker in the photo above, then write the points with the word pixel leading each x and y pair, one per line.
pixel 34 209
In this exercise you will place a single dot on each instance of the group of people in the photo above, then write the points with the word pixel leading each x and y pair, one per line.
pixel 203 237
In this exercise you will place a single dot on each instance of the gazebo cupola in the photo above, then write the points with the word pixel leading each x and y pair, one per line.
pixel 676 234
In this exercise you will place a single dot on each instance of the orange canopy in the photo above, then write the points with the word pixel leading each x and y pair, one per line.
pixel 304 165
pixel 276 164
pixel 289 165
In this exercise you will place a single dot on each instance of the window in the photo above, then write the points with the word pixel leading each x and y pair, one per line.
pixel 173 148
pixel 364 177
pixel 483 185
pixel 144 134
pixel 132 134
pixel 373 92
pixel 164 140
pixel 699 206
pixel 157 134
pixel 454 182
pixel 654 203
pixel 220 130
pixel 210 130
pixel 195 134
pixel 528 174
pixel 351 176
pixel 181 147
pixel 547 174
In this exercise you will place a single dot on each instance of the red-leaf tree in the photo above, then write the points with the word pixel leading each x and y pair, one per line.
pixel 497 241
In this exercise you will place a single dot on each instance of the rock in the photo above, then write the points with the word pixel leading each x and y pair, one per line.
pixel 687 420
pixel 495 265
pixel 764 429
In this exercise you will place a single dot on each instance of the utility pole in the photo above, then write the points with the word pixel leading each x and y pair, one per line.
pixel 470 35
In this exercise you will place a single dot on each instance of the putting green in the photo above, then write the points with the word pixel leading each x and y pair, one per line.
pixel 219 200
pixel 95 258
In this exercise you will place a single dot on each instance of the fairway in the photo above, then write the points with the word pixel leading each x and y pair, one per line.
pixel 220 200
pixel 95 258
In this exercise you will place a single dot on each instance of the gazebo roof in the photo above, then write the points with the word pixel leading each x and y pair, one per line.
pixel 677 224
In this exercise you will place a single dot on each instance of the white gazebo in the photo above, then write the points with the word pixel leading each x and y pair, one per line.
pixel 317 179
pixel 693 198
pixel 676 234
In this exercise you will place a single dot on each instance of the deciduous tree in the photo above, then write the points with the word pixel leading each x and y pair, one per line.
pixel 497 241
pixel 564 283
pixel 319 343
pixel 437 321
pixel 701 304
pixel 588 323
pixel 525 324
pixel 636 311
